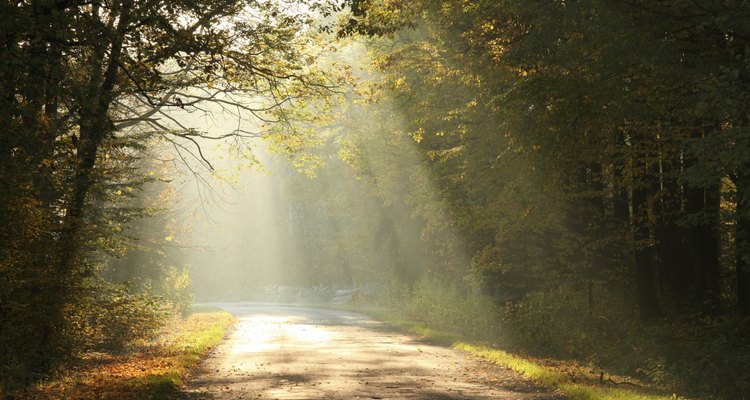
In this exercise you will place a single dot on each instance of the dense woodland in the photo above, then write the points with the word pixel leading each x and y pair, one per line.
pixel 89 94
pixel 565 178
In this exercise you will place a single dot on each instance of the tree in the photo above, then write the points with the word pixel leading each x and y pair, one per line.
pixel 79 77
pixel 612 102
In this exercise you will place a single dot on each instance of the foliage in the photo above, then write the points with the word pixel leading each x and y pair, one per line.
pixel 156 369
pixel 577 169
pixel 573 381
pixel 581 163
pixel 93 94
pixel 561 349
pixel 176 288
pixel 109 317
pixel 447 306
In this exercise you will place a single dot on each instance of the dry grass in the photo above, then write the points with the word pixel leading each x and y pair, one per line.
pixel 154 371
pixel 575 381
pixel 570 378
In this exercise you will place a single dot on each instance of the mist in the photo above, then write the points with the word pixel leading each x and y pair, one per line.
pixel 562 180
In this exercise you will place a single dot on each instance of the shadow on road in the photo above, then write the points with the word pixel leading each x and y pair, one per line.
pixel 286 352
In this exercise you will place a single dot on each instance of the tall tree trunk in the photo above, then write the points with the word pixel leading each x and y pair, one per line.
pixel 702 249
pixel 645 182
pixel 742 243
pixel 648 300
pixel 621 195
pixel 39 82
pixel 94 127
pixel 620 203
pixel 674 277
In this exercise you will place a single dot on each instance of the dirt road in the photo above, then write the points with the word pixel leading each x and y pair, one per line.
pixel 284 352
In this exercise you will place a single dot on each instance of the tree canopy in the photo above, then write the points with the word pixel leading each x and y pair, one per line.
pixel 569 163
pixel 578 162
pixel 90 91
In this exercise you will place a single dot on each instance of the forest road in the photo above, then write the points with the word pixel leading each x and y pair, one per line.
pixel 289 352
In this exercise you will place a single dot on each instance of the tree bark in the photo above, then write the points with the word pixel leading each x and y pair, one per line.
pixel 702 248
pixel 670 243
pixel 648 300
pixel 742 243
pixel 94 127
pixel 645 183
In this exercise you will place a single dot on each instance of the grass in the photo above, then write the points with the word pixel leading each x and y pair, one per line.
pixel 568 378
pixel 155 371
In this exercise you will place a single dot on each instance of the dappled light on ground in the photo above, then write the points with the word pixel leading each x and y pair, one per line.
pixel 282 352
pixel 261 334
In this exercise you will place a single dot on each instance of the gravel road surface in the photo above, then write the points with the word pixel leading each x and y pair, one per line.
pixel 290 352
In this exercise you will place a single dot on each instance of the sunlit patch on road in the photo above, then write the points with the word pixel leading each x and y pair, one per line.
pixel 268 333
pixel 282 352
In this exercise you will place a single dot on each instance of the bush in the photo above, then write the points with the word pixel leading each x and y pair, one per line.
pixel 447 306
pixel 176 287
pixel 693 354
pixel 696 355
pixel 112 317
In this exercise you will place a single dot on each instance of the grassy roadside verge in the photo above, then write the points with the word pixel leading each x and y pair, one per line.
pixel 571 379
pixel 155 371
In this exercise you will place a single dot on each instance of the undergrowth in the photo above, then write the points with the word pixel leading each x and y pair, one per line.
pixel 153 371
pixel 557 330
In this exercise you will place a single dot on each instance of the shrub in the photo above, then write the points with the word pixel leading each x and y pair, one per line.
pixel 176 287
pixel 447 306
pixel 113 317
